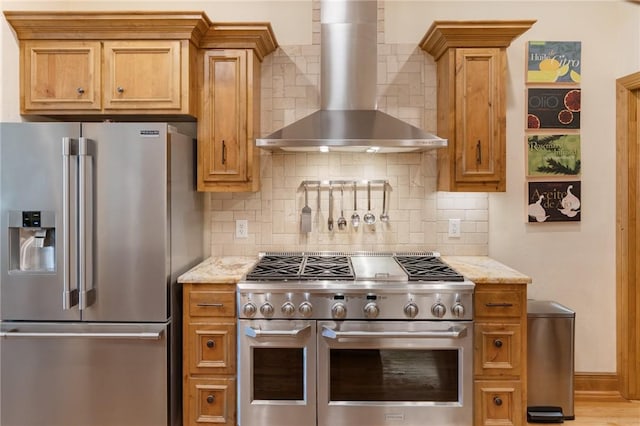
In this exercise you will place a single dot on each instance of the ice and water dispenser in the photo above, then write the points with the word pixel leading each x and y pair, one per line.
pixel 32 238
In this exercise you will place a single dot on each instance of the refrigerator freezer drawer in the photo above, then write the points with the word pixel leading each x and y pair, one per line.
pixel 81 374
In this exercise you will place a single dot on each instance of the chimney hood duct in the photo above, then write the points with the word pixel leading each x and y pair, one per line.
pixel 348 119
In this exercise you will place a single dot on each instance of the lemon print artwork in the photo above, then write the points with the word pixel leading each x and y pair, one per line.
pixel 553 62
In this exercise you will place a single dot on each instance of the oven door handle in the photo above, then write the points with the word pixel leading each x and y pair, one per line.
pixel 453 332
pixel 257 333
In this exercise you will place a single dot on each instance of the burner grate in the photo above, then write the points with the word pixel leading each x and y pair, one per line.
pixel 277 267
pixel 327 267
pixel 427 268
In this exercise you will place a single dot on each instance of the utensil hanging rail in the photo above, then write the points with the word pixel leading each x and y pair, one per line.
pixel 336 183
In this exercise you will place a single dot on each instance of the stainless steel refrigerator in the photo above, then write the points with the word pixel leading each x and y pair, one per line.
pixel 97 222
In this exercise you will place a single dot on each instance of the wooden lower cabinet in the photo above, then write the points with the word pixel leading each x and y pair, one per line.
pixel 209 354
pixel 500 354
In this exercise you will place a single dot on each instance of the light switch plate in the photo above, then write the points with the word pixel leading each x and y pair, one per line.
pixel 454 228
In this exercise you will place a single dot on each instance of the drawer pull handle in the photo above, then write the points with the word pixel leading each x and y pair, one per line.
pixel 211 399
pixel 211 344
pixel 497 400
pixel 498 305
pixel 497 343
pixel 210 305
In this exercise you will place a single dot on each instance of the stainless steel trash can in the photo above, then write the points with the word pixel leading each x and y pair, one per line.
pixel 550 360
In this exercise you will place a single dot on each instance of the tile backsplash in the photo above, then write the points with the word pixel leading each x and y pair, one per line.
pixel 418 213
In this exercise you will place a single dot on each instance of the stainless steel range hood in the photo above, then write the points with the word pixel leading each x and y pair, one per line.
pixel 348 119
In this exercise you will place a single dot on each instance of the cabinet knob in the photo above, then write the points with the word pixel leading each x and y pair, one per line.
pixel 211 399
pixel 211 343
pixel 497 400
pixel 80 91
pixel 497 343
pixel 120 89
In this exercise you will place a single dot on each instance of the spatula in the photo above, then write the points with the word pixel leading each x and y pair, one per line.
pixel 305 216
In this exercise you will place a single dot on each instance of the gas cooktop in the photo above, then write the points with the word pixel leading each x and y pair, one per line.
pixel 352 266
pixel 354 285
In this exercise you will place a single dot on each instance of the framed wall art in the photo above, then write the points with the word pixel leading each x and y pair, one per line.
pixel 553 108
pixel 551 155
pixel 557 201
pixel 554 62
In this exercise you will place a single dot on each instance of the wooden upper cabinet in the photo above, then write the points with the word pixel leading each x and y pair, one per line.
pixel 60 75
pixel 229 119
pixel 225 111
pixel 76 63
pixel 143 75
pixel 471 75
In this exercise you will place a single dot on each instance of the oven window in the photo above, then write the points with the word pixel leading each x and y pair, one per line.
pixel 394 375
pixel 278 374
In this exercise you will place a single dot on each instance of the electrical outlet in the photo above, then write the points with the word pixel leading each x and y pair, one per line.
pixel 454 228
pixel 242 228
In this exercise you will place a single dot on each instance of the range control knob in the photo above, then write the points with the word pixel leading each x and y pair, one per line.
pixel 266 309
pixel 339 310
pixel 457 310
pixel 288 309
pixel 249 310
pixel 411 310
pixel 305 309
pixel 371 310
pixel 438 310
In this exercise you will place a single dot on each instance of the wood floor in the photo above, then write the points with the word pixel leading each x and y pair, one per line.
pixel 605 413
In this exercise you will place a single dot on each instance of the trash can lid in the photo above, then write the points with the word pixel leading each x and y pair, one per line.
pixel 548 308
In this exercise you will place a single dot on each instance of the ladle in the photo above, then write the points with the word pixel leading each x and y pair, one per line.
pixel 355 217
pixel 369 218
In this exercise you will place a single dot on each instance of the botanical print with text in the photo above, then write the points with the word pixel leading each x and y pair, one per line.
pixel 553 155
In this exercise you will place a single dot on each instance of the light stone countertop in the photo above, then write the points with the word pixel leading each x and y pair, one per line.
pixel 485 270
pixel 219 270
pixel 231 269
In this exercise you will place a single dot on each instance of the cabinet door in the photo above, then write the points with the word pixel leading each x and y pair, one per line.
pixel 210 401
pixel 142 75
pixel 498 403
pixel 223 149
pixel 498 349
pixel 480 117
pixel 60 75
pixel 212 348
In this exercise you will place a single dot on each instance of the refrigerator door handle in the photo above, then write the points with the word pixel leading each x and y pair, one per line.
pixel 148 335
pixel 69 294
pixel 85 225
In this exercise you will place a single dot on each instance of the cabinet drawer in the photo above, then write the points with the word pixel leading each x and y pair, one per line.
pixel 498 304
pixel 498 403
pixel 497 349
pixel 212 348
pixel 212 304
pixel 210 401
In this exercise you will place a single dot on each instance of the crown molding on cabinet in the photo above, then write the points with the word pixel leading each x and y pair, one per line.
pixel 443 35
pixel 193 26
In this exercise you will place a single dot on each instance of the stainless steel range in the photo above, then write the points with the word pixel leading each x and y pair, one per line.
pixel 354 338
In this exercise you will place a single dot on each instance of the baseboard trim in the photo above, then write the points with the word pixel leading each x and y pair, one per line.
pixel 597 386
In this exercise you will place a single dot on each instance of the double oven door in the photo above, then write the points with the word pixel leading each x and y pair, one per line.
pixel 349 373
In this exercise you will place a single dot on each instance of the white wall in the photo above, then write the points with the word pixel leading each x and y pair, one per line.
pixel 571 263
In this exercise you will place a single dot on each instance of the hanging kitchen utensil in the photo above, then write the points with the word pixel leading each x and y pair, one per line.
pixel 369 218
pixel 342 222
pixel 305 216
pixel 330 221
pixel 355 217
pixel 384 217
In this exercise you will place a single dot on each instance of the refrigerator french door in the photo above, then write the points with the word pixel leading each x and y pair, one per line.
pixel 97 222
